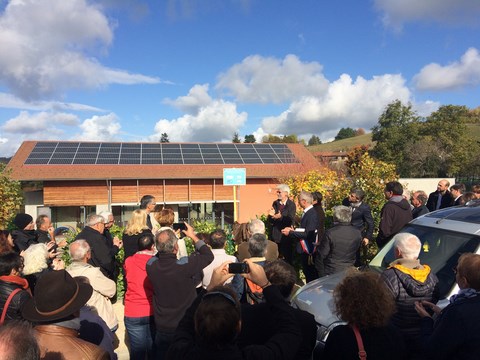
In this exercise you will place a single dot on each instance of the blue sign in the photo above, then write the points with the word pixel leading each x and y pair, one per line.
pixel 234 176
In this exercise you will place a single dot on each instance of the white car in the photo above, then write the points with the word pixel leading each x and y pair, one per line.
pixel 445 234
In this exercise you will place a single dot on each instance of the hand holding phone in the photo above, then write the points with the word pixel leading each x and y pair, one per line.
pixel 238 268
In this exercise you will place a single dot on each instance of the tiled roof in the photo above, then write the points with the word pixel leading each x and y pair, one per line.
pixel 23 172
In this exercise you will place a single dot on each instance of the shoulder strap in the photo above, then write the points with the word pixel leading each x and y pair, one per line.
pixel 362 354
pixel 5 307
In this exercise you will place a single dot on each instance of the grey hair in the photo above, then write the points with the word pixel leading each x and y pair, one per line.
pixel 165 241
pixel 79 252
pixel 342 214
pixel 256 226
pixel 305 195
pixel 35 259
pixel 95 219
pixel 257 245
pixel 359 193
pixel 421 196
pixel 105 215
pixel 408 244
pixel 284 187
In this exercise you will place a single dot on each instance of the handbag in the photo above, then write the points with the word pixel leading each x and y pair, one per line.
pixel 5 307
pixel 362 354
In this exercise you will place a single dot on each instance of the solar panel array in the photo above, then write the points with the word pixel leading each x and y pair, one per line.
pixel 103 153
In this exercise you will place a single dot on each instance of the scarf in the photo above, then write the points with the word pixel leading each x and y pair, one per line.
pixel 467 293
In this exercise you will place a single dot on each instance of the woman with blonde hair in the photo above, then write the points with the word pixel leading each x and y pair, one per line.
pixel 136 228
pixel 365 304
pixel 165 219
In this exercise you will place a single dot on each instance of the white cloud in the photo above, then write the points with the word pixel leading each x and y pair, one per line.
pixel 208 119
pixel 10 101
pixel 455 12
pixel 100 128
pixel 43 122
pixel 259 79
pixel 347 103
pixel 465 72
pixel 50 46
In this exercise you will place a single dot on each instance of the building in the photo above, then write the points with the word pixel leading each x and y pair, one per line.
pixel 69 180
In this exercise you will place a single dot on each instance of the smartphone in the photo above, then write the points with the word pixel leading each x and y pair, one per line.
pixel 238 268
pixel 179 226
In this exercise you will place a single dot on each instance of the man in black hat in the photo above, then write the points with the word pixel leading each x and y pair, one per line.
pixel 54 309
pixel 25 235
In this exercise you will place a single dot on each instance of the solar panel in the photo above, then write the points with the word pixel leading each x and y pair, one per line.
pixel 65 152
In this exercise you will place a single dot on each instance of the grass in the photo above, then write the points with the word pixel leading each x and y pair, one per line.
pixel 344 144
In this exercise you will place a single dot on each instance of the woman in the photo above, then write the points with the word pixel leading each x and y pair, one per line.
pixel 165 219
pixel 6 241
pixel 365 303
pixel 139 320
pixel 36 263
pixel 12 286
pixel 136 228
pixel 455 334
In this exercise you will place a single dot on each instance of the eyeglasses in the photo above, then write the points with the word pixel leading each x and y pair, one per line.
pixel 279 192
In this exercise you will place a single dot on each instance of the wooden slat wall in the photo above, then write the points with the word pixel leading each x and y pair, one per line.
pixel 69 193
pixel 151 187
pixel 176 190
pixel 124 191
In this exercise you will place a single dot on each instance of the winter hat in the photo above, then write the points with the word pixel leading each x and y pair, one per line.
pixel 22 220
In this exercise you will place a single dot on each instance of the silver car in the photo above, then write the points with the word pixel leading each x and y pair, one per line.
pixel 445 234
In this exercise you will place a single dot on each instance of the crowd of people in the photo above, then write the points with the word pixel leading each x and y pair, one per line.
pixel 199 306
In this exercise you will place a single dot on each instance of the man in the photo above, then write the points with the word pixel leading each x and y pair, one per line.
pixel 281 216
pixel 109 221
pixel 17 342
pixel 441 198
pixel 46 233
pixel 174 283
pixel 257 320
pixel 306 235
pixel 419 199
pixel 148 203
pixel 257 226
pixel 103 288
pixel 25 235
pixel 340 243
pixel 100 252
pixel 409 281
pixel 476 190
pixel 55 308
pixel 457 190
pixel 395 213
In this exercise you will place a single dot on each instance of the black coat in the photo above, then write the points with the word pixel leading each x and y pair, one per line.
pixel 22 239
pixel 447 200
pixel 287 219
pixel 419 211
pixel 394 216
pixel 130 242
pixel 362 219
pixel 7 285
pixel 310 225
pixel 100 251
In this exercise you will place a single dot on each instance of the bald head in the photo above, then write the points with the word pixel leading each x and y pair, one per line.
pixel 443 186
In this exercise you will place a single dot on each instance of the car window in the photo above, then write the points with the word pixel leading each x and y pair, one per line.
pixel 440 250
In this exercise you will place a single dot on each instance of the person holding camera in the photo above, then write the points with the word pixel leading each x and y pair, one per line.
pixel 174 282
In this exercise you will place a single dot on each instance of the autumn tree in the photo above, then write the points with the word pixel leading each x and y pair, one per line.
pixel 10 197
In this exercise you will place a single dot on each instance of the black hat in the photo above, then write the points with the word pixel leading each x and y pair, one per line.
pixel 57 296
pixel 22 220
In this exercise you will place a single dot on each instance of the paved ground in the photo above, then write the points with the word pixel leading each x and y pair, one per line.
pixel 121 350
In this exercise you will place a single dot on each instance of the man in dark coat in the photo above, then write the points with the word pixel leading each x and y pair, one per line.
pixel 25 234
pixel 457 190
pixel 395 214
pixel 441 198
pixel 419 199
pixel 306 235
pixel 409 281
pixel 282 215
pixel 100 251
pixel 339 246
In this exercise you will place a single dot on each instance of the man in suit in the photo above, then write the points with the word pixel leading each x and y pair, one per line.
pixel 282 215
pixel 306 235
pixel 442 198
pixel 457 190
pixel 419 199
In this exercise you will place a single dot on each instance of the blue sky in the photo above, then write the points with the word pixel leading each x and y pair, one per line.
pixel 201 70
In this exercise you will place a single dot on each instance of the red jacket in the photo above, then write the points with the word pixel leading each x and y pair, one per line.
pixel 139 295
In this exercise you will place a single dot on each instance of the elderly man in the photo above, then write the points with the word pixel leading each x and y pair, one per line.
pixel 339 246
pixel 306 235
pixel 281 216
pixel 174 283
pixel 103 288
pixel 148 204
pixel 441 198
pixel 395 214
pixel 409 281
pixel 257 226
pixel 419 199
pixel 101 255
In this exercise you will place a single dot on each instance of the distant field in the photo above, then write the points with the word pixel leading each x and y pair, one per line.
pixel 348 144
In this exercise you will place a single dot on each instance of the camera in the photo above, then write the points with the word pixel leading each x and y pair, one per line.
pixel 238 268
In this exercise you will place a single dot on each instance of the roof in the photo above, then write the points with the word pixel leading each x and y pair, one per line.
pixel 301 161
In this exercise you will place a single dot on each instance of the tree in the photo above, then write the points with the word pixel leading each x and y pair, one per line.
pixel 164 138
pixel 271 139
pixel 314 140
pixel 236 139
pixel 250 139
pixel 359 131
pixel 345 133
pixel 10 197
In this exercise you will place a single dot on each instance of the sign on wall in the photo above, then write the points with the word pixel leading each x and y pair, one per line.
pixel 235 176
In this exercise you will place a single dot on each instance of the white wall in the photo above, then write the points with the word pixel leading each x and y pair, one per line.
pixel 428 185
